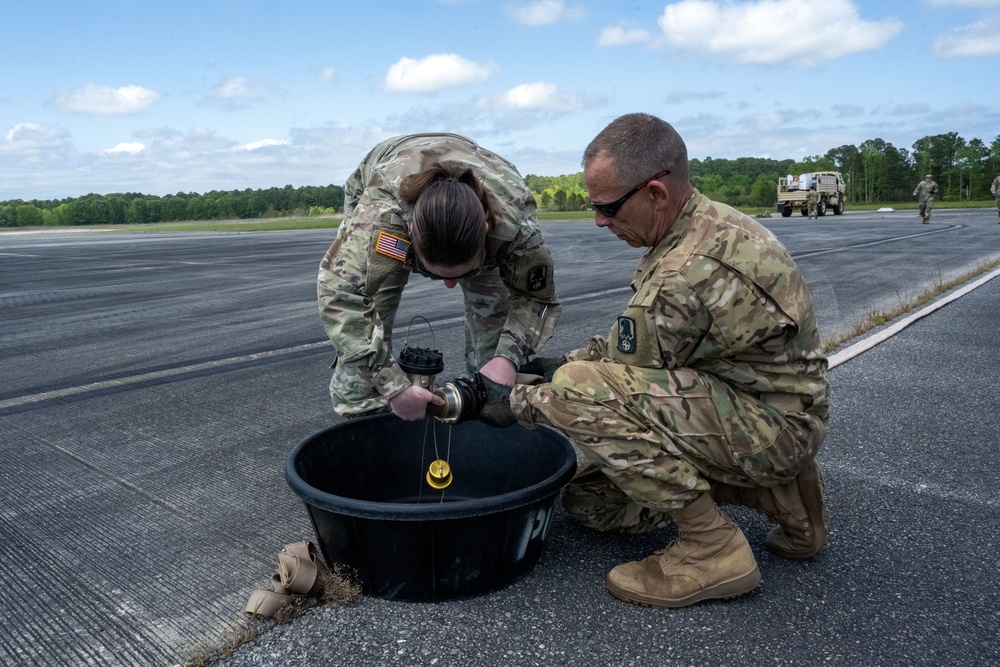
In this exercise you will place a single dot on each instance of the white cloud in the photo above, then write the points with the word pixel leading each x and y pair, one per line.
pixel 979 39
pixel 912 109
pixel 433 73
pixel 105 100
pixel 326 72
pixel 682 96
pixel 239 92
pixel 131 147
pixel 966 3
pixel 543 12
pixel 263 143
pixel 538 95
pixel 848 110
pixel 620 36
pixel 31 138
pixel 758 32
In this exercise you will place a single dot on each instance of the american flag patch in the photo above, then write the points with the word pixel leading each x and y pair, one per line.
pixel 392 246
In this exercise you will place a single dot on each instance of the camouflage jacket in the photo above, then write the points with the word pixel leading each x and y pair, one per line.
pixel 995 188
pixel 925 190
pixel 373 240
pixel 720 294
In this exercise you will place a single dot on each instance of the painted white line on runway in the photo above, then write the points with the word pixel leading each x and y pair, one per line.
pixel 835 359
pixel 868 343
pixel 156 375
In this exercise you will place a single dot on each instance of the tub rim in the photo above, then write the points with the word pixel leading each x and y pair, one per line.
pixel 459 509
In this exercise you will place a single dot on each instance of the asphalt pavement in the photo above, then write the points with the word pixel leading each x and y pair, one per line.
pixel 909 576
pixel 151 387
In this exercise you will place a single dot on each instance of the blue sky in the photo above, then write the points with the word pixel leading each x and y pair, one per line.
pixel 161 96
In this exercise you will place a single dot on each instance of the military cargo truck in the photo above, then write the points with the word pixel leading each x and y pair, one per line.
pixel 793 192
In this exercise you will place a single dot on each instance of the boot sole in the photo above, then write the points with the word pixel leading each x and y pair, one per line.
pixel 723 590
pixel 814 504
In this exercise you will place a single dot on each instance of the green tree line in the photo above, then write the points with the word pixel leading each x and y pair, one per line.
pixel 875 172
pixel 137 208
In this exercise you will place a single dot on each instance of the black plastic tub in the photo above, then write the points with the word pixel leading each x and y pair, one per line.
pixel 363 483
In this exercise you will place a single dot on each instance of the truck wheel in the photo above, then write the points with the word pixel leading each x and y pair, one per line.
pixel 821 207
pixel 838 209
pixel 804 211
pixel 786 211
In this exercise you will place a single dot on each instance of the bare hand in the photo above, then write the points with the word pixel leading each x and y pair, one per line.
pixel 411 403
pixel 501 370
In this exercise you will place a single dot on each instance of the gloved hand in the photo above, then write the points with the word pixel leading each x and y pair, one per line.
pixel 495 410
pixel 543 366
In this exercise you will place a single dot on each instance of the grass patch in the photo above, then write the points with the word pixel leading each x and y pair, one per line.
pixel 913 205
pixel 876 318
pixel 340 587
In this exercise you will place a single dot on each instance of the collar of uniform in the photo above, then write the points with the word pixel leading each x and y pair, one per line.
pixel 651 259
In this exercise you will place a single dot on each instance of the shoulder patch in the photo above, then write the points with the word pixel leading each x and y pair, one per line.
pixel 538 278
pixel 626 335
pixel 391 246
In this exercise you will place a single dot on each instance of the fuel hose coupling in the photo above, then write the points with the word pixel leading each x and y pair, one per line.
pixel 463 399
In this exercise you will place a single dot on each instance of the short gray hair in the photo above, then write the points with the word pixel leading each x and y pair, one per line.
pixel 640 146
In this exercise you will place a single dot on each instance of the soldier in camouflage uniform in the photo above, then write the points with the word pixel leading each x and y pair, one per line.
pixel 995 191
pixel 924 192
pixel 710 388
pixel 506 277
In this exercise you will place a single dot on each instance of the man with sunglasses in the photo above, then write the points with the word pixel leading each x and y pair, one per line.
pixel 443 207
pixel 709 390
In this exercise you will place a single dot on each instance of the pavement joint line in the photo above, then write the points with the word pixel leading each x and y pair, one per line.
pixel 156 375
pixel 870 342
pixel 28 399
pixel 827 251
pixel 834 360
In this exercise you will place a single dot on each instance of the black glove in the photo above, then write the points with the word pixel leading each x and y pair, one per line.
pixel 495 409
pixel 544 366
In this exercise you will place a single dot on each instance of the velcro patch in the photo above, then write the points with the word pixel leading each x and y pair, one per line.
pixel 391 246
pixel 626 335
pixel 538 278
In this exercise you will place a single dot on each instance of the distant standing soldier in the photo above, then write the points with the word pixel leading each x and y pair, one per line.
pixel 812 199
pixel 925 192
pixel 995 191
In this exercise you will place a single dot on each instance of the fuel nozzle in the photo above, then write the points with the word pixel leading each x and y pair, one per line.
pixel 463 397
pixel 421 365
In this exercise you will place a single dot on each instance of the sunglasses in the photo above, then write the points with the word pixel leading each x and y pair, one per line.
pixel 610 208
pixel 422 270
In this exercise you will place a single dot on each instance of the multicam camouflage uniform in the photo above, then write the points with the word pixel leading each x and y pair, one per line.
pixel 510 307
pixel 715 371
pixel 995 191
pixel 924 193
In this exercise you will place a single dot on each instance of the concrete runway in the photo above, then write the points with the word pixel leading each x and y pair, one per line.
pixel 152 386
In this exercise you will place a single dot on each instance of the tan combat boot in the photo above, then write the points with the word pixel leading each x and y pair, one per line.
pixel 797 507
pixel 710 559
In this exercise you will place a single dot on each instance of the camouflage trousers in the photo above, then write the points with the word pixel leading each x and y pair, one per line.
pixel 655 439
pixel 998 204
pixel 486 306
pixel 926 206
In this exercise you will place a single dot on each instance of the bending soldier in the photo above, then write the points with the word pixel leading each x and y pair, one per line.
pixel 441 206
